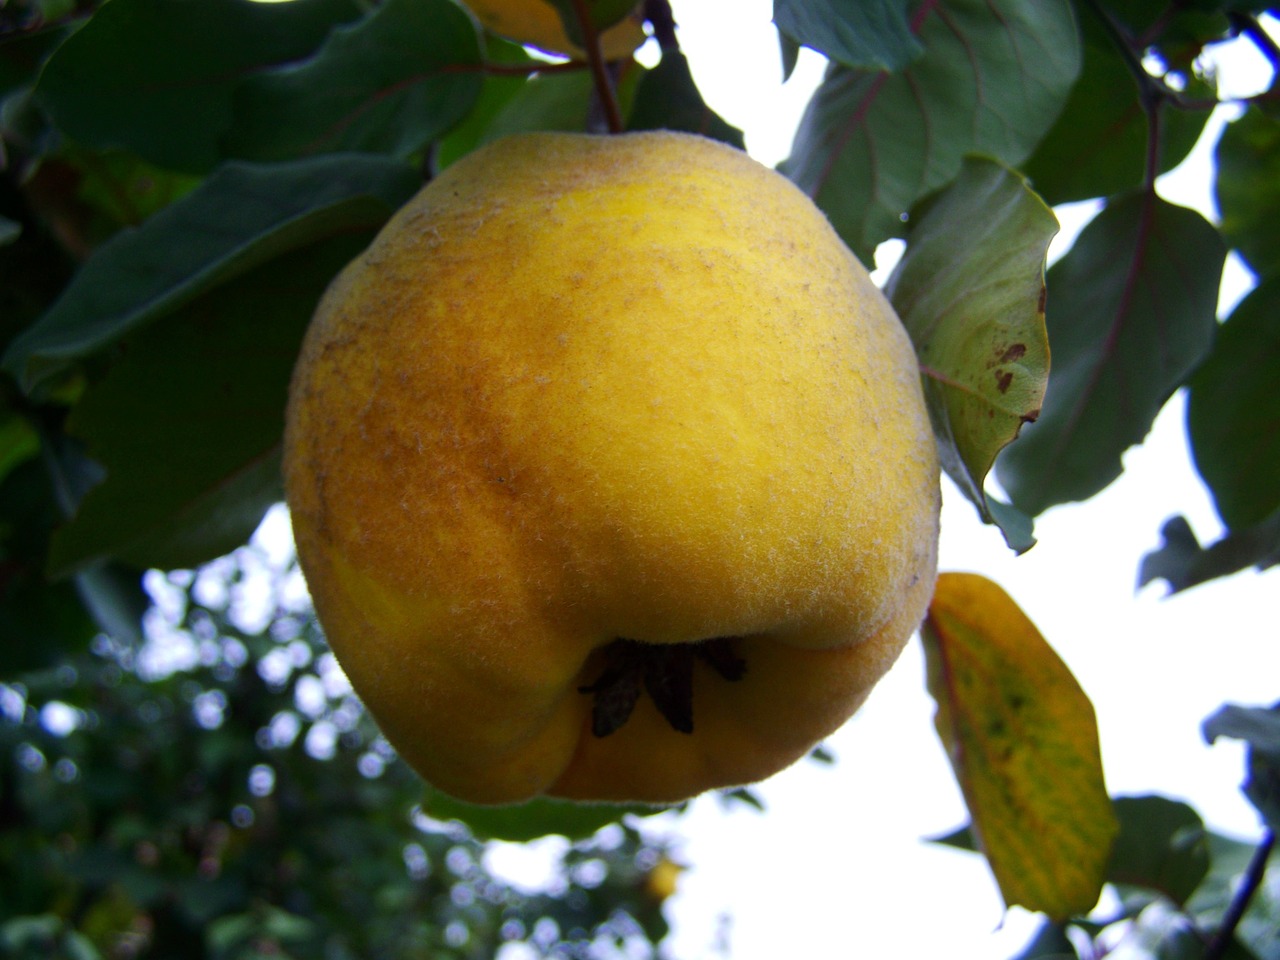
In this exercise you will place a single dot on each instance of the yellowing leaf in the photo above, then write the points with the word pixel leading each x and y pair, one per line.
pixel 1023 743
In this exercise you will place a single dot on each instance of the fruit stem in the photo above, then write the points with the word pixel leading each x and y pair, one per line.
pixel 599 68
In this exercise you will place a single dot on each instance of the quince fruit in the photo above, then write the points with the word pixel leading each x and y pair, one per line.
pixel 610 472
pixel 536 23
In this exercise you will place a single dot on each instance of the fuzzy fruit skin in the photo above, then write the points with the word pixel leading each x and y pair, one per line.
pixel 536 23
pixel 583 388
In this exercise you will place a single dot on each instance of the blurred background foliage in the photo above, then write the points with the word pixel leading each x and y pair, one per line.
pixel 216 790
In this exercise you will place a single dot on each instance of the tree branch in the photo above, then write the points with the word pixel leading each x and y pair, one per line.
pixel 1249 884
pixel 599 68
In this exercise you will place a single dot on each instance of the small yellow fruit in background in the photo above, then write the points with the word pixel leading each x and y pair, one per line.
pixel 663 880
pixel 536 23
pixel 602 436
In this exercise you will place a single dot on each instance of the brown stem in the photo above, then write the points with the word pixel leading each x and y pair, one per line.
pixel 599 68
pixel 528 69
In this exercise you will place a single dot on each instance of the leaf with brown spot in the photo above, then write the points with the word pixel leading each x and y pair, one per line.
pixel 970 290
pixel 1023 742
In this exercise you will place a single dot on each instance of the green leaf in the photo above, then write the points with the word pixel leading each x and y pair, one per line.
pixel 970 291
pixel 1233 411
pixel 122 187
pixel 1049 943
pixel 603 14
pixel 1098 146
pixel 390 83
pixel 992 78
pixel 1130 314
pixel 242 216
pixel 497 90
pixel 961 838
pixel 866 34
pixel 1162 847
pixel 1023 743
pixel 789 51
pixel 1248 189
pixel 23 55
pixel 157 77
pixel 548 101
pixel 1259 929
pixel 112 594
pixel 187 423
pixel 40 622
pixel 1259 727
pixel 667 98
pixel 536 818
pixel 18 440
pixel 1183 563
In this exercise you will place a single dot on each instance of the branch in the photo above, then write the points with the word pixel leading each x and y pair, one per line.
pixel 1249 884
pixel 529 69
pixel 599 68
pixel 1152 91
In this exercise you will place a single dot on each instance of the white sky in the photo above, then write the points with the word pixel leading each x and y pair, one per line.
pixel 837 867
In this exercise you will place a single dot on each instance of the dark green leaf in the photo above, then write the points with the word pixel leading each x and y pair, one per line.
pixel 156 77
pixel 22 56
pixel 187 423
pixel 548 101
pixel 1017 527
pixel 1259 727
pixel 39 622
pixel 1248 189
pixel 668 99
pixel 1050 943
pixel 993 77
pixel 498 89
pixel 1183 563
pixel 18 440
pixel 1233 411
pixel 242 216
pixel 790 53
pixel 122 187
pixel 961 838
pixel 540 817
pixel 603 14
pixel 1098 146
pixel 10 230
pixel 112 594
pixel 970 291
pixel 389 83
pixel 1162 847
pixel 1259 929
pixel 1130 314
pixel 866 34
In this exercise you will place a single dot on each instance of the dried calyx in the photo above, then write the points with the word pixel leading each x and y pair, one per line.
pixel 665 671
